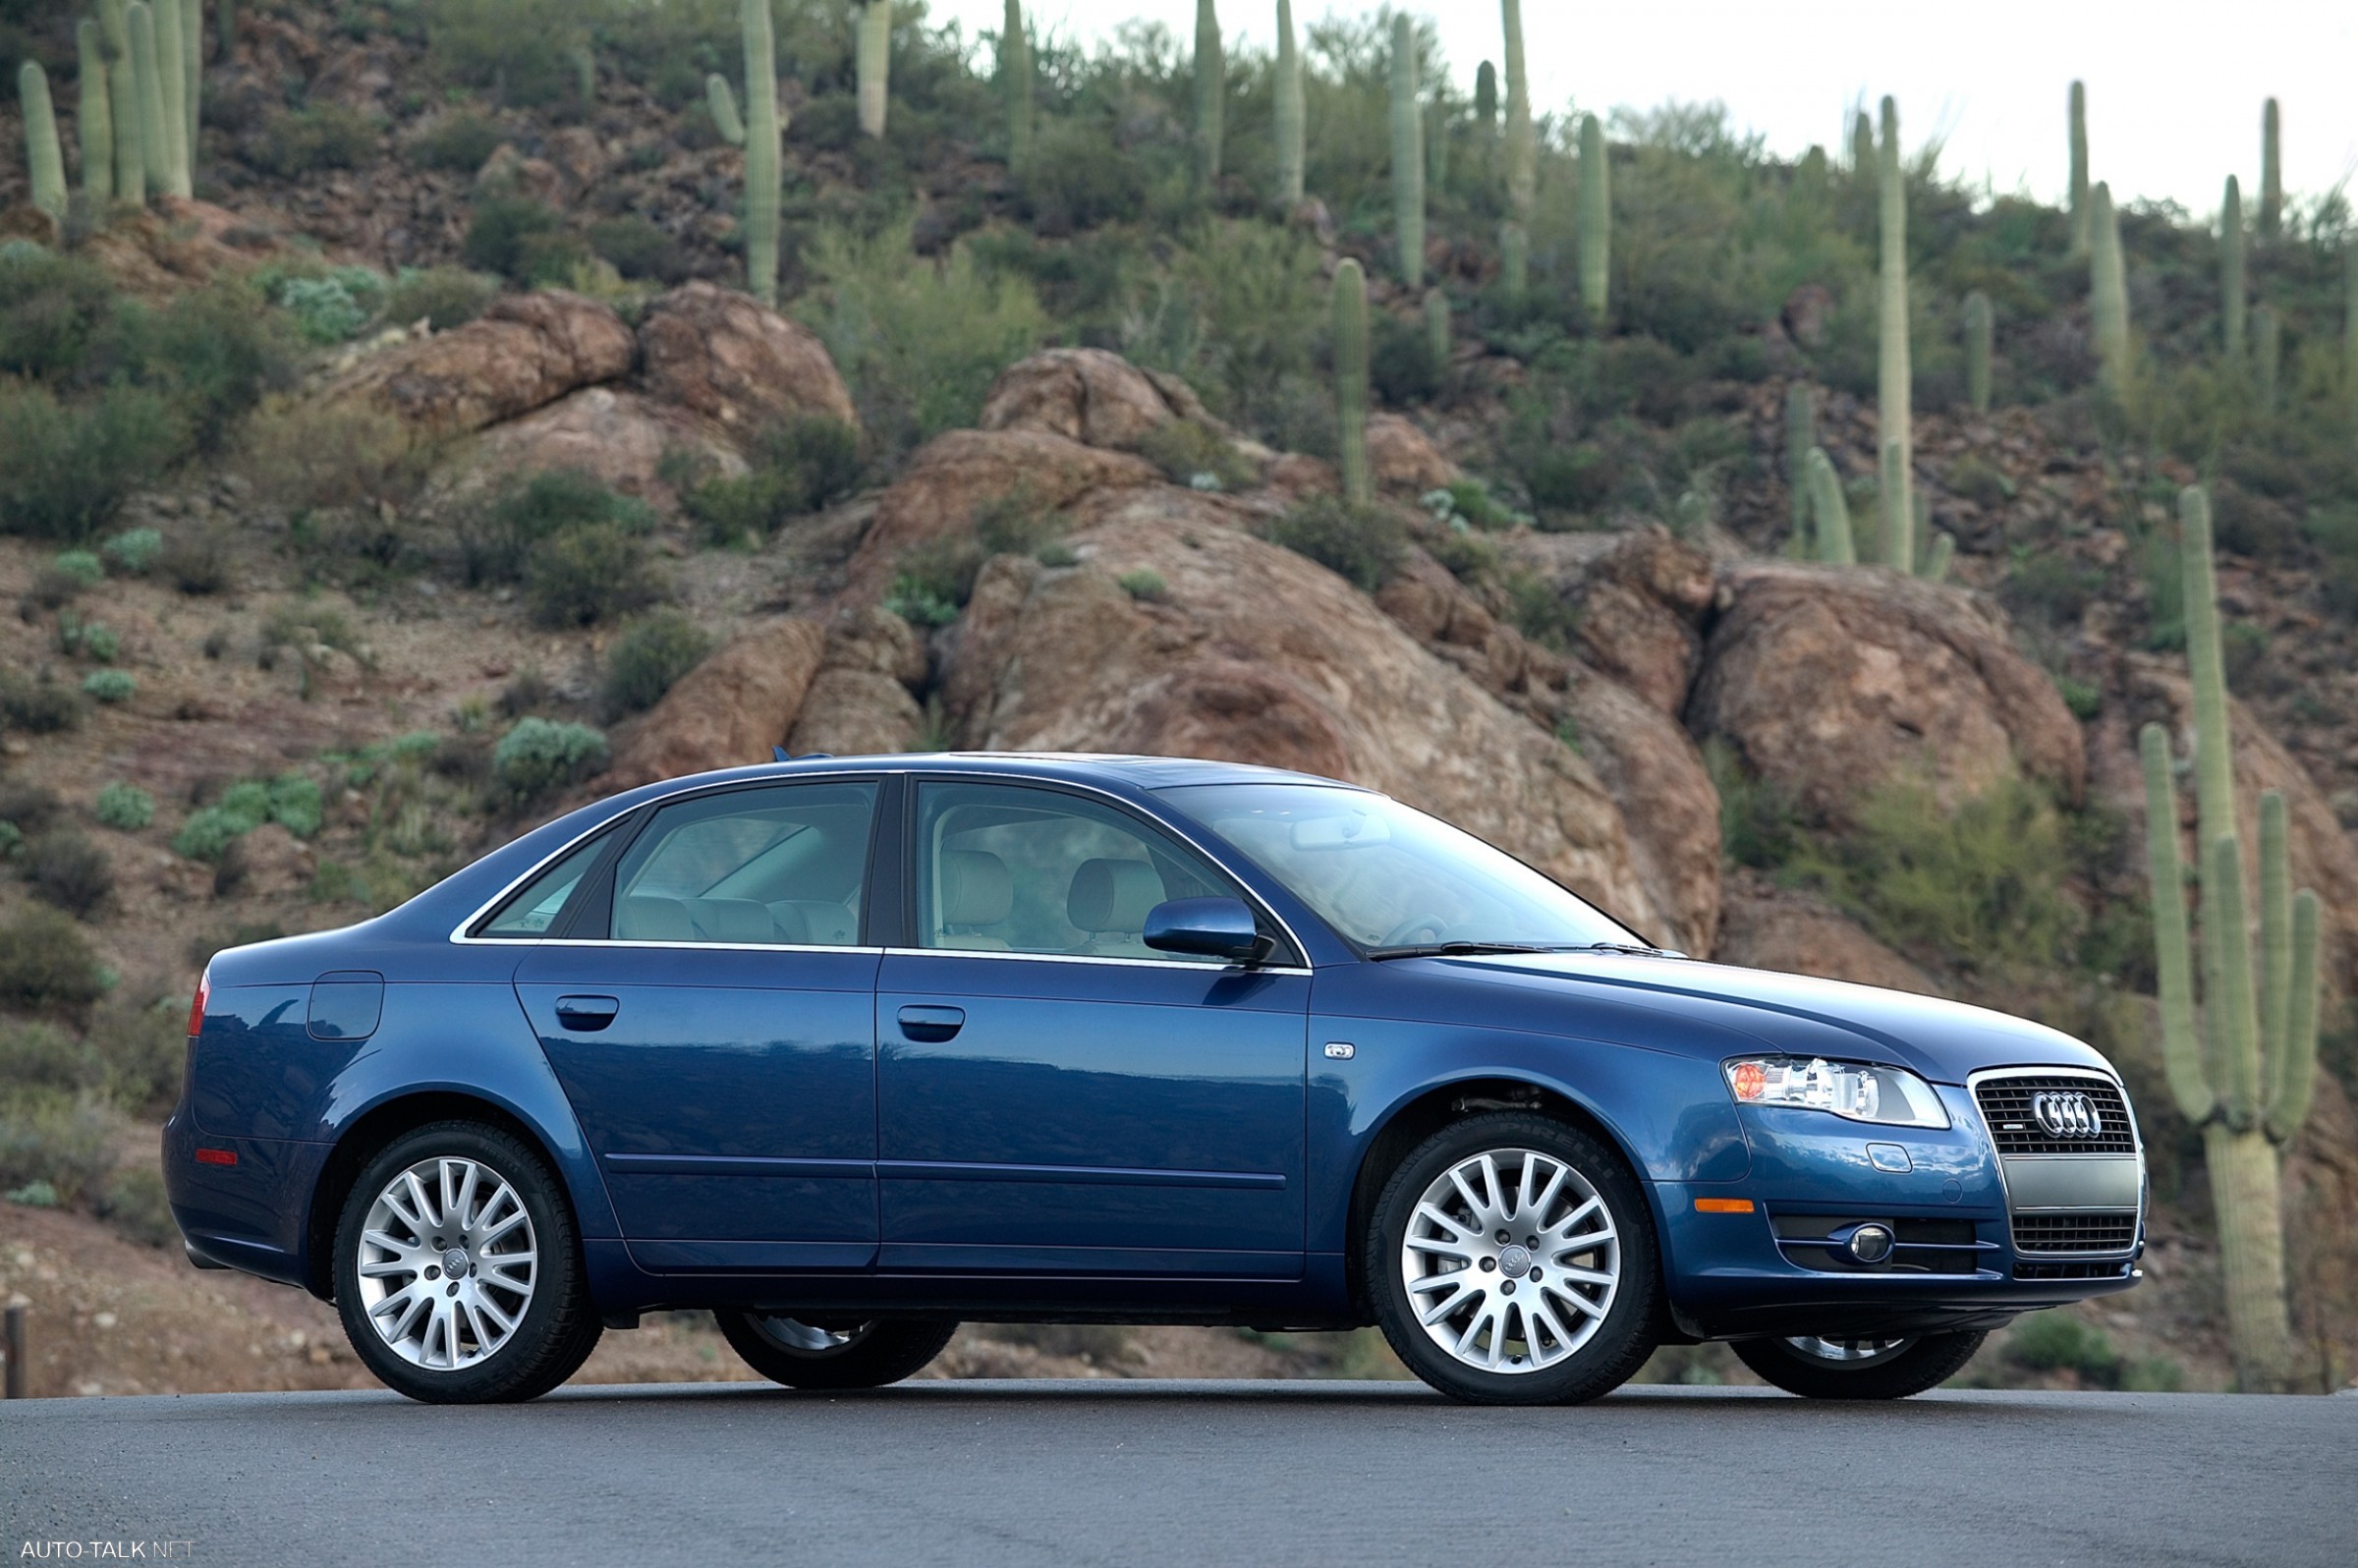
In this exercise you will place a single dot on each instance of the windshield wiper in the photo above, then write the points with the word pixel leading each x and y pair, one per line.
pixel 1461 949
pixel 1635 950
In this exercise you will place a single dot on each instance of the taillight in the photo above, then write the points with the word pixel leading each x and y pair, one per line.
pixel 204 990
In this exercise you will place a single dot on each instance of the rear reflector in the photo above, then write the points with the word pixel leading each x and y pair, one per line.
pixel 1724 1205
pixel 216 1156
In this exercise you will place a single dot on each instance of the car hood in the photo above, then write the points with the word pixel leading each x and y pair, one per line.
pixel 1939 1040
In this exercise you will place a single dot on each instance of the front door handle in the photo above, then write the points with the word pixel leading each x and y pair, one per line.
pixel 586 1014
pixel 931 1026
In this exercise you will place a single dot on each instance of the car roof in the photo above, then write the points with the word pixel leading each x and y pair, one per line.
pixel 1081 767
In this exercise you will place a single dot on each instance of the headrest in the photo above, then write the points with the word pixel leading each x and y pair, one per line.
pixel 731 919
pixel 815 923
pixel 645 918
pixel 975 889
pixel 1113 895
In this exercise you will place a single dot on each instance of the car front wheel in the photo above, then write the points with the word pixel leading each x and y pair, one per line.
pixel 1859 1369
pixel 459 1276
pixel 1511 1261
pixel 827 1354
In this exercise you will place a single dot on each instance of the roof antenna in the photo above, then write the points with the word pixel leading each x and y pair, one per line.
pixel 778 754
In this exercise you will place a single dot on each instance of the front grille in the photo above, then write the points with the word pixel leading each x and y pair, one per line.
pixel 2005 1104
pixel 2030 1270
pixel 2074 1233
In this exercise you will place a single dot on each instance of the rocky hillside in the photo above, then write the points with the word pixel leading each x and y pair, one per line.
pixel 433 473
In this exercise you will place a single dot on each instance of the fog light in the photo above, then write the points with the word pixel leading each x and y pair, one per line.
pixel 1871 1244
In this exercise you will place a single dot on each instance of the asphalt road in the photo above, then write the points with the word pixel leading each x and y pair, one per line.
pixel 1199 1474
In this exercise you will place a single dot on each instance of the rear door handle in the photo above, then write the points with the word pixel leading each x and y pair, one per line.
pixel 588 1014
pixel 931 1025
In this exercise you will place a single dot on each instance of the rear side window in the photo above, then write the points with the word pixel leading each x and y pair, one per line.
pixel 535 906
pixel 783 866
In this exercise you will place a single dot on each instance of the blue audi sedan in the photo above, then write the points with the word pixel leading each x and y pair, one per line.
pixel 847 1051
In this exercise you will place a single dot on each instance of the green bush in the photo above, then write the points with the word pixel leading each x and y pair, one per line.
pixel 53 310
pixel 459 142
pixel 67 468
pixel 45 1057
pixel 54 1140
pixel 1758 822
pixel 322 137
pixel 499 537
pixel 126 808
pixel 648 657
pixel 212 351
pixel 1196 454
pixel 135 1205
pixel 1145 585
pixel 525 50
pixel 37 705
pixel 441 297
pixel 323 308
pixel 1360 543
pixel 539 756
pixel 638 248
pixel 523 240
pixel 796 468
pixel 47 962
pixel 97 642
pixel 135 552
pixel 291 801
pixel 2054 1341
pixel 137 1052
pixel 588 573
pixel 110 685
pixel 68 870
pixel 80 566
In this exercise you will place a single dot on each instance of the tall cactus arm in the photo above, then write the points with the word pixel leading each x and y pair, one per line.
pixel 2234 294
pixel 1351 379
pixel 1801 434
pixel 2295 1065
pixel 171 79
pixel 2108 294
pixel 1941 558
pixel 2272 171
pixel 1408 153
pixel 1292 116
pixel 1015 80
pixel 123 97
pixel 94 126
pixel 44 155
pixel 2232 1010
pixel 191 62
pixel 1979 331
pixel 1522 145
pixel 2079 168
pixel 2276 924
pixel 1595 225
pixel 2214 741
pixel 873 62
pixel 1830 511
pixel 156 142
pixel 762 150
pixel 1895 394
pixel 1212 92
pixel 2174 958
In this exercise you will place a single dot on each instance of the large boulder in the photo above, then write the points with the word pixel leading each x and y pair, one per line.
pixel 1830 681
pixel 1765 926
pixel 861 705
pixel 724 355
pixel 620 436
pixel 1402 458
pixel 1252 653
pixel 524 352
pixel 1641 608
pixel 1091 396
pixel 729 712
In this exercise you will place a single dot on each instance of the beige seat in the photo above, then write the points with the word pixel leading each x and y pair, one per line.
pixel 976 892
pixel 1110 901
pixel 644 917
pixel 812 923
pixel 731 919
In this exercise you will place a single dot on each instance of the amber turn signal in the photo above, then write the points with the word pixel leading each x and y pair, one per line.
pixel 1724 1205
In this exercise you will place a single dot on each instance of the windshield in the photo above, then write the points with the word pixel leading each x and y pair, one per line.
pixel 1386 876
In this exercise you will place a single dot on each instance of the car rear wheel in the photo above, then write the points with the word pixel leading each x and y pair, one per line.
pixel 827 1353
pixel 1859 1369
pixel 459 1276
pixel 1511 1261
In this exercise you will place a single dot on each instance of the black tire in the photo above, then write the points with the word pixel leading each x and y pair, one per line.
pixel 1909 1368
pixel 1621 1338
pixel 559 1325
pixel 867 1355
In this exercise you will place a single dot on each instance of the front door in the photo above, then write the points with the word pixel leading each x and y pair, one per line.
pixel 1055 1097
pixel 715 1028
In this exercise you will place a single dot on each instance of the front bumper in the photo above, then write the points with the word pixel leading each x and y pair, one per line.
pixel 1981 1239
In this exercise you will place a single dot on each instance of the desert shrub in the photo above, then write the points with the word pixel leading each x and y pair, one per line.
pixel 195 560
pixel 126 808
pixel 65 468
pixel 68 870
pixel 934 579
pixel 292 800
pixel 1400 362
pixel 92 639
pixel 324 310
pixel 212 351
pixel 588 573
pixel 1540 609
pixel 523 240
pixel 1145 585
pixel 499 537
pixel 137 1052
pixel 1240 313
pixel 52 311
pixel 523 50
pixel 307 454
pixel 320 137
pixel 457 142
pixel 36 704
pixel 441 297
pixel 134 1203
pixel 638 248
pixel 135 552
pixel 796 468
pixel 28 806
pixel 539 756
pixel 2054 1341
pixel 1361 543
pixel 1015 523
pixel 648 657
pixel 82 567
pixel 1196 454
pixel 1079 178
pixel 110 685
pixel 47 962
pixel 1758 822
pixel 57 1145
pixel 45 1057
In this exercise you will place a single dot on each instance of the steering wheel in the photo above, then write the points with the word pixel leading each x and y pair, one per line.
pixel 1427 927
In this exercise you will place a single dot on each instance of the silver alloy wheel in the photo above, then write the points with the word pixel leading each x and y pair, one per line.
pixel 793 1335
pixel 1511 1260
pixel 1849 1353
pixel 447 1263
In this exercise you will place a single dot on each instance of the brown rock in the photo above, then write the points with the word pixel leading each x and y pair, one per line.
pixel 1765 926
pixel 1640 642
pixel 1653 768
pixel 1807 312
pixel 1832 680
pixel 729 712
pixel 1258 654
pixel 722 355
pixel 1403 458
pixel 618 435
pixel 1087 395
pixel 852 712
pixel 872 637
pixel 524 352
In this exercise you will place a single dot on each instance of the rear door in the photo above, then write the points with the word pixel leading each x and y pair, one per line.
pixel 710 1014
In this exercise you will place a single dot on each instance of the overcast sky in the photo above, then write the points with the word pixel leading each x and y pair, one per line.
pixel 2175 88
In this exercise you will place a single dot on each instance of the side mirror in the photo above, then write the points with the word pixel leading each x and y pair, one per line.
pixel 1208 927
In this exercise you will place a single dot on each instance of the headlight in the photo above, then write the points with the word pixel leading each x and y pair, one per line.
pixel 1883 1094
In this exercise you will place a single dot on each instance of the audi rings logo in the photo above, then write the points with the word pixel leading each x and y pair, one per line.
pixel 2067 1114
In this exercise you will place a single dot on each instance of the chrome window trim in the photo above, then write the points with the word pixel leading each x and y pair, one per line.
pixel 1094 958
pixel 917 772
pixel 1973 1084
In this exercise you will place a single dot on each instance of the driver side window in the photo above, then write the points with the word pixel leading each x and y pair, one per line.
pixel 1002 869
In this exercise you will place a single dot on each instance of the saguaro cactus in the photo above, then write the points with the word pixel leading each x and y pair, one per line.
pixel 94 124
pixel 1595 220
pixel 1830 511
pixel 1514 265
pixel 722 103
pixel 1862 162
pixel 2233 291
pixel 1351 379
pixel 1212 92
pixel 123 100
pixel 1015 80
pixel 1408 153
pixel 1486 97
pixel 873 62
pixel 2272 173
pixel 1522 141
pixel 1896 400
pixel 1801 435
pixel 43 154
pixel 2108 292
pixel 156 139
pixel 2268 355
pixel 1439 342
pixel 2246 1079
pixel 1293 120
pixel 191 65
pixel 1981 327
pixel 2079 168
pixel 762 149
pixel 171 79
